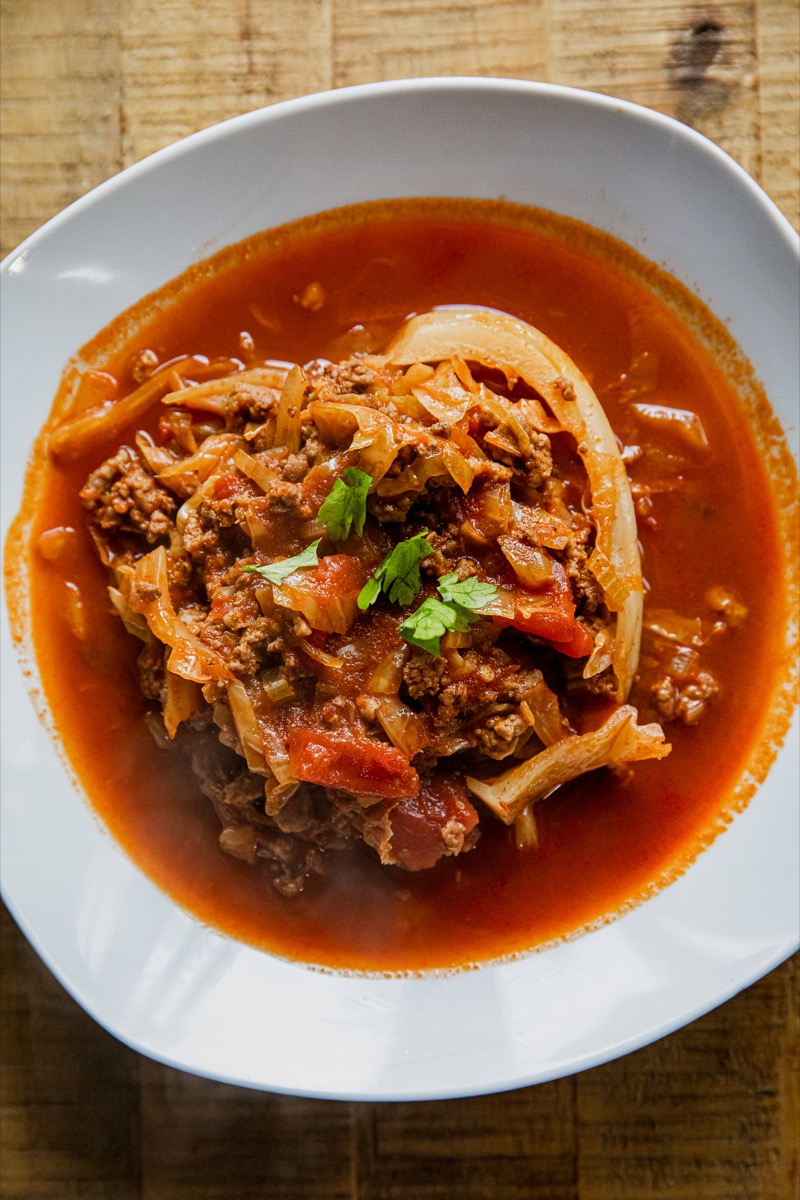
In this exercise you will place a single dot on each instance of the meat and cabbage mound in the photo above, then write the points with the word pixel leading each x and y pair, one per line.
pixel 380 597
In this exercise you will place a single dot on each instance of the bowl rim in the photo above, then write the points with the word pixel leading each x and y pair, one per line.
pixel 581 97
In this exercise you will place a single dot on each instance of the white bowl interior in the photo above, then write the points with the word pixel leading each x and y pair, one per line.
pixel 148 971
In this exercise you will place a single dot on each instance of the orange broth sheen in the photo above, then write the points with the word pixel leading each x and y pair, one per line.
pixel 604 843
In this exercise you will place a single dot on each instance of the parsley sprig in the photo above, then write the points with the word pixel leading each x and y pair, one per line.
pixel 471 593
pixel 346 504
pixel 398 576
pixel 461 602
pixel 428 624
pixel 277 572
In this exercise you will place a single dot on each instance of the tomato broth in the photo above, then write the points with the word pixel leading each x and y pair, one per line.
pixel 606 840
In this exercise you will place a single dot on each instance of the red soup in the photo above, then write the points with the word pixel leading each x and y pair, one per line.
pixel 400 657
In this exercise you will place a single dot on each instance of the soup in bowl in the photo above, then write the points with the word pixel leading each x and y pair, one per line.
pixel 393 577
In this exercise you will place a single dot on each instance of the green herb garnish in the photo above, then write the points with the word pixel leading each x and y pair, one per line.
pixel 346 504
pixel 278 571
pixel 428 624
pixel 398 576
pixel 471 593
pixel 459 607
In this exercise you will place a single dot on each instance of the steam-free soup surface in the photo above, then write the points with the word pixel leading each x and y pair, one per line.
pixel 321 290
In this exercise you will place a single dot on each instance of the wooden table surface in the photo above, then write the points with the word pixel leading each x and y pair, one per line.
pixel 710 1113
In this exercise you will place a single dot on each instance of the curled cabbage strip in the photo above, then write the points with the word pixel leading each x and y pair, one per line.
pixel 505 343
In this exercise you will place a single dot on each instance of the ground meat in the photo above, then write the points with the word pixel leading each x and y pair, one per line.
pixel 312 814
pixel 474 702
pixel 292 852
pixel 493 472
pixel 150 663
pixel 352 376
pixel 122 495
pixel 585 588
pixel 539 463
pixel 142 594
pixel 292 864
pixel 289 497
pixel 403 458
pixel 684 699
pixel 296 665
pixel 252 648
pixel 246 401
pixel 295 467
pixel 219 514
pixel 243 792
pixel 312 446
pixel 422 675
pixel 497 736
pixel 396 509
pixel 210 541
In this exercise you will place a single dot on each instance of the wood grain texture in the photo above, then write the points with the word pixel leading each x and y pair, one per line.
pixel 91 86
pixel 710 1113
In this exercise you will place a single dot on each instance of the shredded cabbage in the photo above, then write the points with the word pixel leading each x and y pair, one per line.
pixel 184 698
pixel 519 350
pixel 191 658
pixel 618 740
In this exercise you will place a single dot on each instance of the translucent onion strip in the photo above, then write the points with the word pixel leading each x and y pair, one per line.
pixel 247 727
pixel 183 699
pixel 208 459
pixel 210 396
pixel 289 413
pixel 256 469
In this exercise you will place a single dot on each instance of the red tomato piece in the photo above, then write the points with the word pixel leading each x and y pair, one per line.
pixel 337 577
pixel 554 624
pixel 226 486
pixel 420 836
pixel 555 621
pixel 579 645
pixel 346 759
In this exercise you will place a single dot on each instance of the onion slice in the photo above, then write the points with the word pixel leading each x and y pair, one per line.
pixel 505 343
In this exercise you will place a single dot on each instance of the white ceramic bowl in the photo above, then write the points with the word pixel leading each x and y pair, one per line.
pixel 147 971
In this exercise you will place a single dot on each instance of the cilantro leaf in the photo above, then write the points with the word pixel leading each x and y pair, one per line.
pixel 458 609
pixel 278 571
pixel 398 576
pixel 469 593
pixel 369 593
pixel 401 578
pixel 428 624
pixel 346 504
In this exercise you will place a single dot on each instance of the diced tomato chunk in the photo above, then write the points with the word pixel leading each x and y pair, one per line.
pixel 567 635
pixel 579 645
pixel 346 759
pixel 337 576
pixel 431 824
pixel 554 624
pixel 554 621
pixel 227 485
